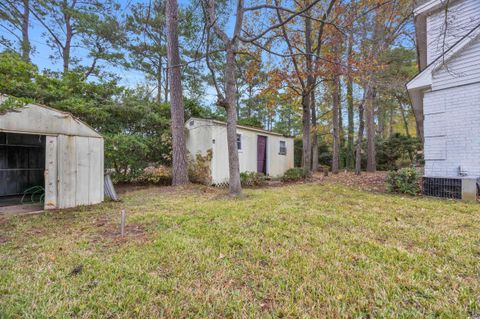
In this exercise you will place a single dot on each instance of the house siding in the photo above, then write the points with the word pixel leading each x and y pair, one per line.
pixel 452 130
pixel 462 17
pixel 461 69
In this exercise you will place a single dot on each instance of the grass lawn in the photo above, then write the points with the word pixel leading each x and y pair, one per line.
pixel 304 251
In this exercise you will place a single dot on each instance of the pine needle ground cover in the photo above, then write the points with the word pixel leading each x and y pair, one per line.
pixel 304 251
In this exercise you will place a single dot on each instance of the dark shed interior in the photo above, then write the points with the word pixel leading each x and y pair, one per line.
pixel 22 165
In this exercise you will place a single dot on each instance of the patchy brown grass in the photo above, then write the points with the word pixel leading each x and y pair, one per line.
pixel 315 250
pixel 373 182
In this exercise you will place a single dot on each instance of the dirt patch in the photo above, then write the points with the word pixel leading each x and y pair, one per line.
pixel 3 239
pixel 131 231
pixel 373 182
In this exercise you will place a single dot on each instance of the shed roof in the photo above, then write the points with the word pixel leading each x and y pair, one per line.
pixel 43 120
pixel 244 127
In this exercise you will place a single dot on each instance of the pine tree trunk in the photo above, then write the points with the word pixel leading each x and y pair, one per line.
pixel 306 146
pixel 26 48
pixel 336 125
pixel 341 133
pixel 314 133
pixel 350 137
pixel 350 162
pixel 231 101
pixel 166 82
pixel 180 174
pixel 358 150
pixel 307 95
pixel 370 119
pixel 159 80
pixel 405 119
pixel 419 117
pixel 68 41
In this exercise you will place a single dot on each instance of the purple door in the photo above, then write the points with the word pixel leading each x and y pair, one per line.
pixel 262 154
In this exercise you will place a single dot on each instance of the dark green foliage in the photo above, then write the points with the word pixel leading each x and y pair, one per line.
pixel 295 174
pixel 252 179
pixel 127 155
pixel 324 153
pixel 297 151
pixel 12 104
pixel 397 151
pixel 250 121
pixel 405 181
pixel 135 126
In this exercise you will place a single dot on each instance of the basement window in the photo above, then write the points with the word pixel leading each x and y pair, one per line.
pixel 283 148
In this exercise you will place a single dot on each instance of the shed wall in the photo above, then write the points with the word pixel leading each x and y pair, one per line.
pixel 80 171
pixel 276 164
pixel 203 135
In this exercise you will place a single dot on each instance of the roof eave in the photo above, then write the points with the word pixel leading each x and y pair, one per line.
pixel 428 7
pixel 249 128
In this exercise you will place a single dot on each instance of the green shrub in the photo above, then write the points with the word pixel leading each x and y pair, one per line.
pixel 403 181
pixel 252 179
pixel 126 154
pixel 295 174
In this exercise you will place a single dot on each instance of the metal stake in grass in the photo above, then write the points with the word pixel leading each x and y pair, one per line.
pixel 122 223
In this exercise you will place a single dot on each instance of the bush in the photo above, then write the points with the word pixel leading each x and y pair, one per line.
pixel 199 168
pixel 126 154
pixel 252 179
pixel 403 181
pixel 295 174
pixel 397 151
pixel 161 175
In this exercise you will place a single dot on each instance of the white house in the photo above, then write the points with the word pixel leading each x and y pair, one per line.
pixel 258 150
pixel 49 149
pixel 448 91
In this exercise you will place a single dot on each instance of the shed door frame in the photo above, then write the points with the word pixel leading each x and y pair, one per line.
pixel 51 172
pixel 265 157
pixel 51 167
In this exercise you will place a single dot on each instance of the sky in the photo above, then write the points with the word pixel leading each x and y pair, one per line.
pixel 42 52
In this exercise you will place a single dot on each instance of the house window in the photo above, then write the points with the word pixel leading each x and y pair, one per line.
pixel 239 141
pixel 283 148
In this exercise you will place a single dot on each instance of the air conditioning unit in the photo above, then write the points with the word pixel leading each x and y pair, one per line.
pixel 464 188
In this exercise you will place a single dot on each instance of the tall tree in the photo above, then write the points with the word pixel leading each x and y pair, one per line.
pixel 180 174
pixel 15 20
pixel 303 53
pixel 230 46
pixel 350 104
pixel 380 28
pixel 146 25
pixel 91 25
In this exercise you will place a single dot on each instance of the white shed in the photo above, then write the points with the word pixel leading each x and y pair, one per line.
pixel 258 150
pixel 41 146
